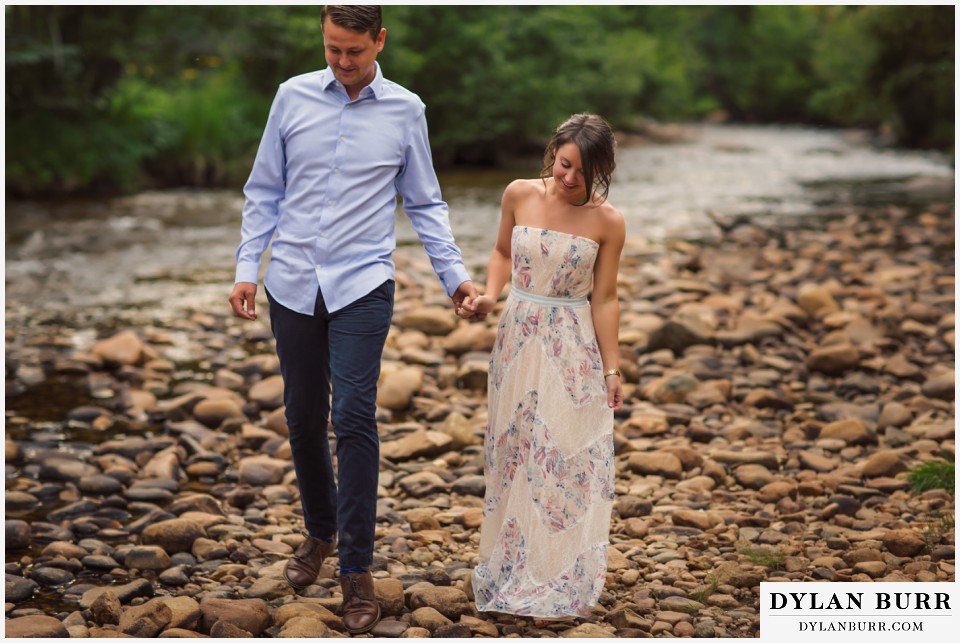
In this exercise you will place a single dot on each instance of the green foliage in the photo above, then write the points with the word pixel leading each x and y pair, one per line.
pixel 771 558
pixel 934 474
pixel 114 98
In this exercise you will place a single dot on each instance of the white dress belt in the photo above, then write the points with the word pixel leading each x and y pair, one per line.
pixel 568 302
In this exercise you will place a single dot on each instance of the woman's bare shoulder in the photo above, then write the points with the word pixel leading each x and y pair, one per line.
pixel 611 220
pixel 524 187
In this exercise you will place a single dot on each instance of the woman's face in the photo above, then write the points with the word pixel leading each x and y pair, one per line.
pixel 568 173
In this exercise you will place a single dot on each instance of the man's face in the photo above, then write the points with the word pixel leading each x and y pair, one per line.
pixel 351 55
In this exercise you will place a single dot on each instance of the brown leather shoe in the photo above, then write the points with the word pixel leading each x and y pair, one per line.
pixel 360 610
pixel 302 568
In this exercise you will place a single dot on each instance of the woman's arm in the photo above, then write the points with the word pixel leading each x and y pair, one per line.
pixel 606 306
pixel 500 265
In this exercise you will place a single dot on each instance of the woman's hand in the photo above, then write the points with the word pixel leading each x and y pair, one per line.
pixel 477 307
pixel 614 392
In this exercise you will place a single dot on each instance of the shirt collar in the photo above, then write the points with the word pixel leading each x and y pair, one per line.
pixel 376 85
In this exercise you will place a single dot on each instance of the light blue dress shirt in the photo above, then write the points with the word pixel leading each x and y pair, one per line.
pixel 326 179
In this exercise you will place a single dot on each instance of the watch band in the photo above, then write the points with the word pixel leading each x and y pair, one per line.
pixel 612 371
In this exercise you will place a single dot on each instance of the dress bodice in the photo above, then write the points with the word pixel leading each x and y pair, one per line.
pixel 551 263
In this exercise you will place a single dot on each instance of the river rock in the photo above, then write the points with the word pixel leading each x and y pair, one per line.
pixel 106 609
pixel 904 542
pixel 196 502
pixel 470 485
pixel 248 614
pixel 940 387
pixel 17 534
pixel 213 412
pixel 180 633
pixel 815 300
pixel 390 629
pixel 894 414
pixel 389 592
pixel 753 476
pixel 268 589
pixel 172 535
pixel 671 389
pixel 428 618
pixel 420 485
pixel 588 631
pixel 431 320
pixel 261 470
pixel 268 393
pixel 460 431
pixel 817 462
pixel 146 557
pixel 834 359
pixel 697 519
pixel 852 431
pixel 419 443
pixel 883 464
pixel 226 630
pixel 776 491
pixel 125 593
pixel 303 628
pixel 299 609
pixel 657 463
pixel 51 576
pixel 633 507
pixel 35 626
pixel 277 422
pixel 66 468
pixel 680 333
pixel 99 485
pixel 17 589
pixel 469 337
pixel 123 349
pixel 164 465
pixel 449 601
pixel 147 620
pixel 396 387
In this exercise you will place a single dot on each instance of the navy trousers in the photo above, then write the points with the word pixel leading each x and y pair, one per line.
pixel 336 353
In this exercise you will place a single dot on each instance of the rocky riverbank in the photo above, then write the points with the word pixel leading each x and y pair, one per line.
pixel 780 385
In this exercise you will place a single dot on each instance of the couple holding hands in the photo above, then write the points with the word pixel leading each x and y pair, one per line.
pixel 340 144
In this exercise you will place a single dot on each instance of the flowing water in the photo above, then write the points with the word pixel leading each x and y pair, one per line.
pixel 165 252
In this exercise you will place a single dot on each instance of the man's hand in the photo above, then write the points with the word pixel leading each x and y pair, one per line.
pixel 477 308
pixel 465 292
pixel 243 300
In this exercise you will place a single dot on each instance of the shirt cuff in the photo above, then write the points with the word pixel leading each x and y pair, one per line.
pixel 248 271
pixel 452 277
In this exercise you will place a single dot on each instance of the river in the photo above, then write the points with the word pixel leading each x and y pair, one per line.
pixel 158 254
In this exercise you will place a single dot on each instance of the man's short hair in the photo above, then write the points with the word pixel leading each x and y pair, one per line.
pixel 362 18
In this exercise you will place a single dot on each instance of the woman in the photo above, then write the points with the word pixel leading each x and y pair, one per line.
pixel 554 382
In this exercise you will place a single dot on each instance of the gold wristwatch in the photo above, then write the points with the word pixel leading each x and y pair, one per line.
pixel 612 371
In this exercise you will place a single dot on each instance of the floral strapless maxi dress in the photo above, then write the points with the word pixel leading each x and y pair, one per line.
pixel 548 449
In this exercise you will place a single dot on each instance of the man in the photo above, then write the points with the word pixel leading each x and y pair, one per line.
pixel 339 145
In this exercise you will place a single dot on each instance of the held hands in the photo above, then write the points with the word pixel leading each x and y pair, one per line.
pixel 243 300
pixel 614 392
pixel 477 308
pixel 465 292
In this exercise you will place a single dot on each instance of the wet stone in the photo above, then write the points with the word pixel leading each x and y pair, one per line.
pixel 17 534
pixel 17 588
pixel 51 576
pixel 36 626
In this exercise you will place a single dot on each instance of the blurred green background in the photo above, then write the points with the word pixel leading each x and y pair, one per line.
pixel 106 99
